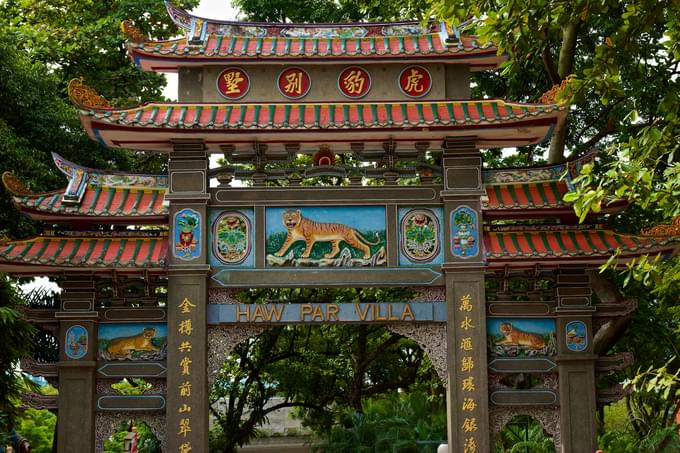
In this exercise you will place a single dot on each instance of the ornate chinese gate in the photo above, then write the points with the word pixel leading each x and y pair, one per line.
pixel 512 299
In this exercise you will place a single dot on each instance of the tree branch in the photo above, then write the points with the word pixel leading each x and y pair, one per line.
pixel 549 65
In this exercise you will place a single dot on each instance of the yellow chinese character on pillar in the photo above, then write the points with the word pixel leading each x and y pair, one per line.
pixel 469 384
pixel 185 388
pixel 185 346
pixel 465 303
pixel 231 82
pixel 469 404
pixel 184 408
pixel 466 324
pixel 470 425
pixel 467 364
pixel 184 364
pixel 466 344
pixel 185 327
pixel 294 83
pixel 470 445
pixel 185 447
pixel 413 82
pixel 184 427
pixel 354 82
pixel 186 305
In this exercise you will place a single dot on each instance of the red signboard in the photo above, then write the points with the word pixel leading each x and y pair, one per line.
pixel 354 82
pixel 415 81
pixel 233 83
pixel 294 83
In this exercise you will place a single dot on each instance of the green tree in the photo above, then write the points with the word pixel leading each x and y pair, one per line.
pixel 16 340
pixel 38 427
pixel 397 422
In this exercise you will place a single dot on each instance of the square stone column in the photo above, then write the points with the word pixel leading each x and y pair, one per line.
pixel 576 361
pixel 188 273
pixel 77 365
pixel 467 390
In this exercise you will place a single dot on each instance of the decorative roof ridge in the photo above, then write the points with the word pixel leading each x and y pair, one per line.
pixel 84 96
pixel 566 170
pixel 92 234
pixel 79 177
pixel 15 186
pixel 199 28
pixel 543 227
pixel 176 14
pixel 65 167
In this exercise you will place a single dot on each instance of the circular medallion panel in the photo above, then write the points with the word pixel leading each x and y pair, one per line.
pixel 233 83
pixel 294 83
pixel 354 82
pixel 231 237
pixel 76 342
pixel 415 81
pixel 420 235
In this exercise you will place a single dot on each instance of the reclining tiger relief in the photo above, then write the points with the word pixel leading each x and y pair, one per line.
pixel 301 240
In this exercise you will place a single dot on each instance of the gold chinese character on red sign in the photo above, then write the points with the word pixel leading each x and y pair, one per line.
pixel 294 83
pixel 354 82
pixel 233 83
pixel 415 81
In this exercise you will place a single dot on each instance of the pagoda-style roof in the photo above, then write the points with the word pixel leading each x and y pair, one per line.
pixel 94 196
pixel 212 42
pixel 91 251
pixel 154 126
pixel 536 191
pixel 521 246
pixel 134 251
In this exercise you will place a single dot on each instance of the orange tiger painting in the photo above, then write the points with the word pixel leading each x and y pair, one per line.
pixel 516 337
pixel 303 229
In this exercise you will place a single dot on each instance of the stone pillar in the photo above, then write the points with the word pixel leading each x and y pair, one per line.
pixel 467 390
pixel 188 271
pixel 77 365
pixel 576 361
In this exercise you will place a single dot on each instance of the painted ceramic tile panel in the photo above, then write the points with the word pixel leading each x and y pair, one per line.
pixel 231 236
pixel 517 337
pixel 420 236
pixel 76 342
pixel 133 341
pixel 577 336
pixel 351 236
pixel 187 240
pixel 464 232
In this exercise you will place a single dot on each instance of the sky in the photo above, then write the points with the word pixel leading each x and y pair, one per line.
pixel 210 9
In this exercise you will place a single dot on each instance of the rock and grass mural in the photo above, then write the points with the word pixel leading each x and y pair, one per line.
pixel 518 337
pixel 133 341
pixel 326 236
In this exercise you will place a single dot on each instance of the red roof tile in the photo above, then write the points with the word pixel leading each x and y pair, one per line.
pixel 592 245
pixel 86 250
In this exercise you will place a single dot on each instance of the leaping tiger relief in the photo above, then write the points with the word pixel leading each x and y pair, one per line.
pixel 326 237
